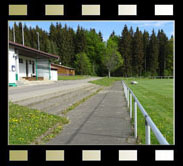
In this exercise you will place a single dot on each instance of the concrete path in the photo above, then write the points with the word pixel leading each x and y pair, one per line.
pixel 21 93
pixel 55 103
pixel 101 120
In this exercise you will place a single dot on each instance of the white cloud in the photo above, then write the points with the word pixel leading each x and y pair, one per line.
pixel 154 24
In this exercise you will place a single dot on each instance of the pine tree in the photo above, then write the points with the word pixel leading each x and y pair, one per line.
pixel 138 53
pixel 18 33
pixel 125 50
pixel 100 35
pixel 66 47
pixel 10 34
pixel 146 51
pixel 169 58
pixel 80 41
pixel 112 34
pixel 163 51
pixel 27 36
pixel 153 54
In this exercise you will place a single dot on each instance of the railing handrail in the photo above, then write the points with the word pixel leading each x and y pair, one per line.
pixel 161 139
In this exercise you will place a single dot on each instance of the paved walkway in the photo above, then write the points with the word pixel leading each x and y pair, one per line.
pixel 33 90
pixel 101 120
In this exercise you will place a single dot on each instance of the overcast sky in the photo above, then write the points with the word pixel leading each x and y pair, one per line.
pixel 106 27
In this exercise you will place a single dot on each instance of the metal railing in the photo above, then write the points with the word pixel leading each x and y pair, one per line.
pixel 150 77
pixel 149 124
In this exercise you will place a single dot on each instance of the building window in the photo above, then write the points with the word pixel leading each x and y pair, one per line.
pixel 20 60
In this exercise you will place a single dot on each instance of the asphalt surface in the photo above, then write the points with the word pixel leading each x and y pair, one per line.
pixel 101 120
pixel 20 93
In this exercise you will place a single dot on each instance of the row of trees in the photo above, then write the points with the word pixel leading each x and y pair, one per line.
pixel 146 54
pixel 131 54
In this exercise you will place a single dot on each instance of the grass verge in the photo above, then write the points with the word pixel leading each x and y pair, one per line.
pixel 26 125
pixel 106 81
pixel 156 96
pixel 80 102
pixel 77 77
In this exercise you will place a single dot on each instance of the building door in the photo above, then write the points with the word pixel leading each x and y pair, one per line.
pixel 27 68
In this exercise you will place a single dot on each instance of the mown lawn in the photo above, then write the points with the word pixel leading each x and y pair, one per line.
pixel 156 96
pixel 25 125
pixel 106 81
pixel 76 77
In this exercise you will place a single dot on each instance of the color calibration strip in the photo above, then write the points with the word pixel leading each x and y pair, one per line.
pixel 18 155
pixel 17 10
pixel 91 155
pixel 127 10
pixel 54 10
pixel 88 10
pixel 91 10
pixel 54 155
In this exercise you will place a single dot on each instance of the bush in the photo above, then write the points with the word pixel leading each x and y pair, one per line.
pixel 82 64
pixel 147 74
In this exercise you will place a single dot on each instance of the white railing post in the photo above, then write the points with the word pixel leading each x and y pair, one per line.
pixel 124 87
pixel 130 105
pixel 128 97
pixel 148 133
pixel 149 124
pixel 135 119
pixel 126 92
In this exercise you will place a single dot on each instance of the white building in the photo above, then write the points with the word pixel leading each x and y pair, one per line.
pixel 30 64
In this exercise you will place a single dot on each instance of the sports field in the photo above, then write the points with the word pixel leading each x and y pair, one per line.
pixel 156 96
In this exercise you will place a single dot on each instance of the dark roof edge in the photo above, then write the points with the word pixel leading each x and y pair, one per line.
pixel 62 66
pixel 33 49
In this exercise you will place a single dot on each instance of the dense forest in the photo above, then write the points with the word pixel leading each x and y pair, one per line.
pixel 133 53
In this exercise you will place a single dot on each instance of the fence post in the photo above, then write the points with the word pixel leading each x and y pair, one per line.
pixel 124 89
pixel 126 92
pixel 148 133
pixel 130 105
pixel 128 97
pixel 135 119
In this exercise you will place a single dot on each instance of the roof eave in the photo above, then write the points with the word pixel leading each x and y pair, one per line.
pixel 34 50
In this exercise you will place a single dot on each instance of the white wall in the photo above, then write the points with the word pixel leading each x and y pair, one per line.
pixel 54 75
pixel 11 63
pixel 22 67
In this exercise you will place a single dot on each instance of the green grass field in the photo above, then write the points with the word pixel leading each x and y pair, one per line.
pixel 26 125
pixel 106 81
pixel 156 96
pixel 76 77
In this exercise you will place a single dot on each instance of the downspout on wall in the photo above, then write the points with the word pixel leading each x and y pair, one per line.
pixel 36 70
pixel 49 70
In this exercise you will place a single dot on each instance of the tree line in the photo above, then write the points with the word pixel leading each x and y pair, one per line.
pixel 133 53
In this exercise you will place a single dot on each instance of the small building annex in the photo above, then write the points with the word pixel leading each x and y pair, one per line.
pixel 29 63
pixel 64 70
